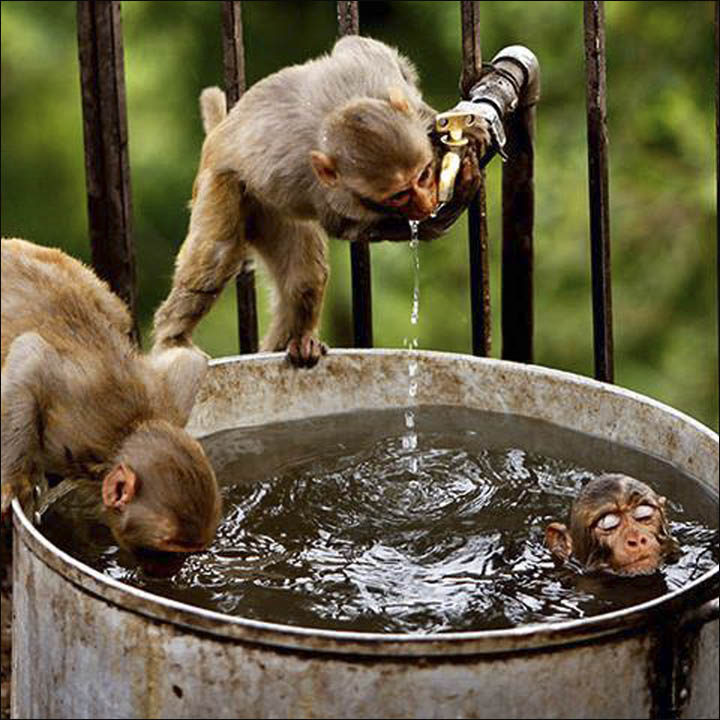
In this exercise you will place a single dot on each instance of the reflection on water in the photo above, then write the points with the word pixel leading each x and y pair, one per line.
pixel 326 525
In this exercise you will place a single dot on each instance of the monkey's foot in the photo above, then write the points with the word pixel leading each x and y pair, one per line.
pixel 305 351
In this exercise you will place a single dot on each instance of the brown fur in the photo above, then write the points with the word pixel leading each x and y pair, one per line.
pixel 359 114
pixel 78 399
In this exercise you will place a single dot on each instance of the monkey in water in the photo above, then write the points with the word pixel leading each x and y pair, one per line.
pixel 340 145
pixel 78 400
pixel 617 524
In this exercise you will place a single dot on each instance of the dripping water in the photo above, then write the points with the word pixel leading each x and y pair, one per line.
pixel 409 440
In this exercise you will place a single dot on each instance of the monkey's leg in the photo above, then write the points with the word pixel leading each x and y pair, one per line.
pixel 295 255
pixel 210 256
pixel 29 367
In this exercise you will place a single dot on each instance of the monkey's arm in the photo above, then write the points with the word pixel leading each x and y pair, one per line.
pixel 210 256
pixel 27 372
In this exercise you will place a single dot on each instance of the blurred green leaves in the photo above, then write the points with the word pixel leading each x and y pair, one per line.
pixel 662 164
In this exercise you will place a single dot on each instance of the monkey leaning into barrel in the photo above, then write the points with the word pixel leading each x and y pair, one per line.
pixel 341 145
pixel 79 400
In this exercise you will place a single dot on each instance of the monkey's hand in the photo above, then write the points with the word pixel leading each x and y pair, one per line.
pixel 305 351
pixel 467 184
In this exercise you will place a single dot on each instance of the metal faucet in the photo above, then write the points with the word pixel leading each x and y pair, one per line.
pixel 511 81
pixel 455 123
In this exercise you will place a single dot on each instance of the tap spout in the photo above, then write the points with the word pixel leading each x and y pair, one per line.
pixel 454 123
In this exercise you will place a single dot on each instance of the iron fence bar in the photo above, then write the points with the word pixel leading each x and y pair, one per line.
pixel 348 19
pixel 594 26
pixel 477 214
pixel 717 169
pixel 235 86
pixel 105 133
pixel 518 209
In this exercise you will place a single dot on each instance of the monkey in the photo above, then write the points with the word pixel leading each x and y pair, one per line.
pixel 618 524
pixel 79 400
pixel 340 146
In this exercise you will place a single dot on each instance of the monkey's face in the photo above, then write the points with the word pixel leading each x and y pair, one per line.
pixel 624 536
pixel 376 157
pixel 618 524
pixel 413 192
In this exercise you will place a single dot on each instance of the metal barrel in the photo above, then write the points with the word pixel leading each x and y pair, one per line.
pixel 88 646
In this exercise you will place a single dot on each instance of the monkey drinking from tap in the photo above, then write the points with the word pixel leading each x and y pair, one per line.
pixel 341 145
pixel 78 400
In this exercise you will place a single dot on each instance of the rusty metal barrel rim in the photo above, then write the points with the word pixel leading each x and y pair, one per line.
pixel 447 378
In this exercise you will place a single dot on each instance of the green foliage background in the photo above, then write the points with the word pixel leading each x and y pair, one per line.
pixel 662 165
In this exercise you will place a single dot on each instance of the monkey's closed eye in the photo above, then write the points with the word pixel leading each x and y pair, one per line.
pixel 608 522
pixel 643 512
pixel 425 175
pixel 398 199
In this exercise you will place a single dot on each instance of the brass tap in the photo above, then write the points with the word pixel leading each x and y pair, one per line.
pixel 454 123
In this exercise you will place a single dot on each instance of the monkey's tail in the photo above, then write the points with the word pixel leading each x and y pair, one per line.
pixel 213 107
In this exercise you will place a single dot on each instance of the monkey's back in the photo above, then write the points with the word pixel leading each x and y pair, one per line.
pixel 46 291
pixel 296 99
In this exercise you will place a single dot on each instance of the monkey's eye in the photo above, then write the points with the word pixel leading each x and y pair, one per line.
pixel 643 512
pixel 425 175
pixel 609 521
pixel 398 199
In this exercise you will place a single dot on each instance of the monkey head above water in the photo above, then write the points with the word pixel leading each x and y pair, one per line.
pixel 617 524
pixel 80 401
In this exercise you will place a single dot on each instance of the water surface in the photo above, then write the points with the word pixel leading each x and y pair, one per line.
pixel 326 525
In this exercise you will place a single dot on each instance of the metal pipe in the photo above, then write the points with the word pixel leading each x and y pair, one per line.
pixel 505 98
pixel 518 208
pixel 717 167
pixel 594 23
pixel 349 24
pixel 235 86
pixel 477 213
pixel 107 165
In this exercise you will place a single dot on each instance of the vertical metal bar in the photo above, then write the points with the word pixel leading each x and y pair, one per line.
pixel 477 214
pixel 234 77
pixel 594 21
pixel 717 167
pixel 518 203
pixel 349 24
pixel 107 167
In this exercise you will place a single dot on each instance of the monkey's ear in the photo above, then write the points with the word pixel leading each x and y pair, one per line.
pixel 119 487
pixel 324 167
pixel 397 98
pixel 558 540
